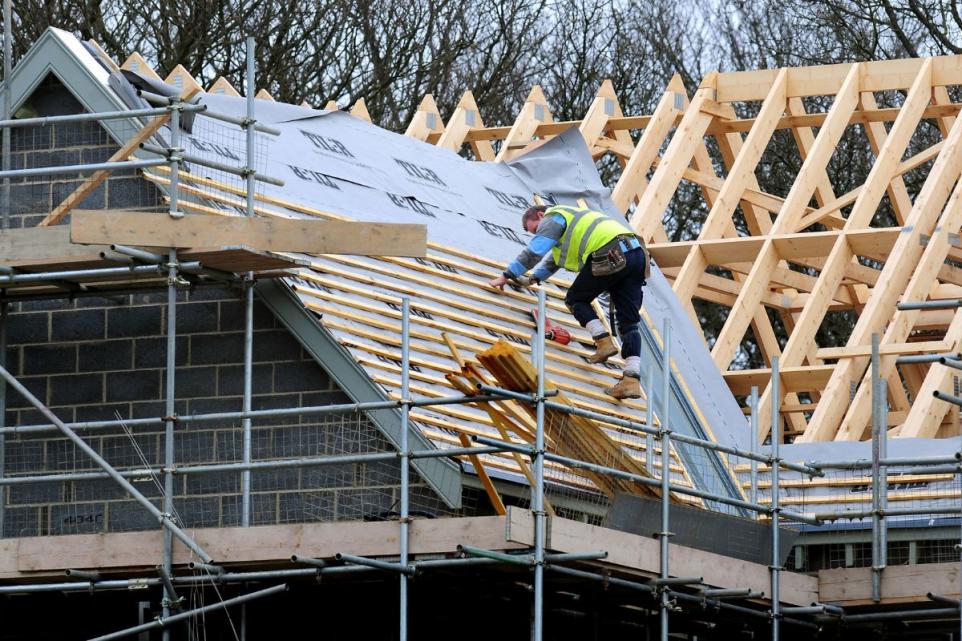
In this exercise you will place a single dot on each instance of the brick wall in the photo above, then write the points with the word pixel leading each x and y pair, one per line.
pixel 32 198
pixel 93 359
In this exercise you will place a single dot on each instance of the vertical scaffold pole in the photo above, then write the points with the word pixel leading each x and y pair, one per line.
pixel 776 437
pixel 650 421
pixel 3 411
pixel 170 409
pixel 876 474
pixel 883 502
pixel 175 152
pixel 169 420
pixel 248 295
pixel 248 315
pixel 665 533
pixel 753 464
pixel 405 461
pixel 537 498
pixel 7 107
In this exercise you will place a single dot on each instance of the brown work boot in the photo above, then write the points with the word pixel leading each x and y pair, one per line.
pixel 604 349
pixel 628 387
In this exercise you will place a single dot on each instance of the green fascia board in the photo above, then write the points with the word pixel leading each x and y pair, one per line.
pixel 442 474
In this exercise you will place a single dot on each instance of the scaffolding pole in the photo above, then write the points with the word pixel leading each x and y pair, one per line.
pixel 878 517
pixel 776 437
pixel 170 420
pixel 498 395
pixel 3 411
pixel 753 464
pixel 167 619
pixel 403 448
pixel 537 502
pixel 248 126
pixel 7 108
pixel 665 534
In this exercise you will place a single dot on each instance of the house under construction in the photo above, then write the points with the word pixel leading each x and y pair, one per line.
pixel 257 385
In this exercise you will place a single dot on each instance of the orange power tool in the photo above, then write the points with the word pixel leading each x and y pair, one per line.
pixel 552 332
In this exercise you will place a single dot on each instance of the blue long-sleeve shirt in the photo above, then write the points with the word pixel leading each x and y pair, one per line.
pixel 548 234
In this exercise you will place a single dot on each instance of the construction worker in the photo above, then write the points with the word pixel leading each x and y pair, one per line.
pixel 607 257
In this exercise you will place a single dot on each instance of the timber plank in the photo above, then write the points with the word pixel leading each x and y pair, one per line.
pixel 273 234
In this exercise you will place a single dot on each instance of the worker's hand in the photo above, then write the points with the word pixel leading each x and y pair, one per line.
pixel 527 281
pixel 499 282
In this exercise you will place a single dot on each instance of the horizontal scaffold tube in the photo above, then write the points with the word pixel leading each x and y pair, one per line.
pixel 274 464
pixel 866 464
pixel 651 482
pixel 88 117
pixel 647 429
pixel 162 622
pixel 82 169
pixel 255 414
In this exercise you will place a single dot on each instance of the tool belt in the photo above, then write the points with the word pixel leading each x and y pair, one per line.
pixel 610 259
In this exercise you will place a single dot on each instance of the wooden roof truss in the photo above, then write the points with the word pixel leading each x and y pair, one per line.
pixel 800 257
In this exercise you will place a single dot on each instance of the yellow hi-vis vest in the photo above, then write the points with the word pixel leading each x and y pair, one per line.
pixel 586 231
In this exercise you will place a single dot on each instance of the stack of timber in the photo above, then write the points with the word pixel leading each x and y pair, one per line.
pixel 566 434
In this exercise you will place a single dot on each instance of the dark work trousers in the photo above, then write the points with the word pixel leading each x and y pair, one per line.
pixel 624 290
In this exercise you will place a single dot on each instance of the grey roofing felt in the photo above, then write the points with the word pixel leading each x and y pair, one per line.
pixel 341 164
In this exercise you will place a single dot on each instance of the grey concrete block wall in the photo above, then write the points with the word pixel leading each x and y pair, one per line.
pixel 96 359
pixel 32 198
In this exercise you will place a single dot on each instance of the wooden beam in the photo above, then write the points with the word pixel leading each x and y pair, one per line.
pixel 359 110
pixel 925 347
pixel 794 379
pixel 900 584
pixel 920 422
pixel 904 258
pixel 822 80
pixel 801 192
pixel 182 79
pixel 466 117
pixel 98 177
pixel 136 63
pixel 223 87
pixel 678 156
pixel 632 181
pixel 643 553
pixel 602 107
pixel 277 234
pixel 534 112
pixel 883 173
pixel 875 243
pixel 867 115
pixel 426 121
pixel 39 246
pixel 824 214
pixel 110 62
pixel 263 544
